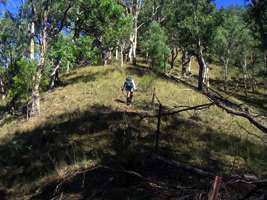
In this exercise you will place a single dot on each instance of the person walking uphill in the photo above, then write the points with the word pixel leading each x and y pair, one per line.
pixel 129 87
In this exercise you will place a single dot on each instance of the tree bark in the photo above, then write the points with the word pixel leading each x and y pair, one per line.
pixel 35 110
pixel 203 69
pixel 185 62
pixel 117 53
pixel 134 10
pixel 189 65
pixel 225 64
pixel 68 67
pixel 2 89
pixel 54 77
pixel 174 54
pixel 32 41
pixel 32 33
pixel 245 75
pixel 121 53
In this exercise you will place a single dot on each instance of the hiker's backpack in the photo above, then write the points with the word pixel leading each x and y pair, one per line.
pixel 129 84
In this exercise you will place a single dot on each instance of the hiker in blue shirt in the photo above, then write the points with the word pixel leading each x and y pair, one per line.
pixel 129 87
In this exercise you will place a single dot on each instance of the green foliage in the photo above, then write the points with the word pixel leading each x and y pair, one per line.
pixel 104 21
pixel 193 22
pixel 62 49
pixel 257 17
pixel 21 81
pixel 85 50
pixel 155 45
pixel 147 83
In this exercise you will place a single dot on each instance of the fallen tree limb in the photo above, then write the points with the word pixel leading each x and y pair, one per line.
pixel 198 107
pixel 232 179
pixel 243 114
pixel 221 102
pixel 184 166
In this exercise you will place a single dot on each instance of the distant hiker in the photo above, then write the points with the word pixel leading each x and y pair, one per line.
pixel 129 87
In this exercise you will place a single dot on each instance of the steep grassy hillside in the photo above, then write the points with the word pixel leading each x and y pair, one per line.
pixel 86 124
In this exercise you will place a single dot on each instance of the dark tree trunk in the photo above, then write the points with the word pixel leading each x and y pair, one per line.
pixel 200 73
pixel 54 77
pixel 174 54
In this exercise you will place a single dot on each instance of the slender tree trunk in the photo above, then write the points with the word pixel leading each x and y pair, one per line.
pixel 174 54
pixel 32 41
pixel 147 58
pixel 245 75
pixel 184 62
pixel 130 55
pixel 2 89
pixel 189 65
pixel 68 67
pixel 105 57
pixel 135 43
pixel 121 57
pixel 54 77
pixel 117 53
pixel 225 64
pixel 203 76
pixel 206 75
pixel 134 11
pixel 200 73
pixel 32 33
pixel 35 110
pixel 265 60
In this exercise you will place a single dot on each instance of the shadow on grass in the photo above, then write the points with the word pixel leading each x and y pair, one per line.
pixel 204 142
pixel 111 138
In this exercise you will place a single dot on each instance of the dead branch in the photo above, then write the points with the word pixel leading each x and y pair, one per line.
pixel 219 102
pixel 184 167
pixel 217 99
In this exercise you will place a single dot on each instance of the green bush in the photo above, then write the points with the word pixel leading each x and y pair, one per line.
pixel 154 43
pixel 20 85
pixel 147 83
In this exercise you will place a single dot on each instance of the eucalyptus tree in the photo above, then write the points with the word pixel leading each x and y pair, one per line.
pixel 227 37
pixel 9 50
pixel 102 20
pixel 196 24
pixel 155 44
pixel 133 9
pixel 50 16
pixel 162 12
pixel 243 53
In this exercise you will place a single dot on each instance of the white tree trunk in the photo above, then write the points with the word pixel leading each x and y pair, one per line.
pixel 121 54
pixel 245 75
pixel 35 109
pixel 189 65
pixel 206 79
pixel 135 42
pixel 134 11
pixel 2 89
pixel 203 76
pixel 32 45
pixel 130 55
pixel 68 67
pixel 116 53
